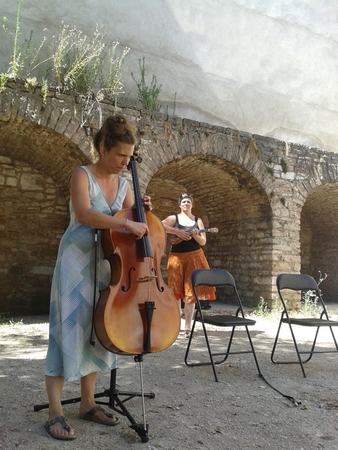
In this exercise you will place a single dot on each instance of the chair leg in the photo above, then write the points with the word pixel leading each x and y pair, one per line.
pixel 275 342
pixel 296 348
pixel 208 346
pixel 334 338
pixel 209 351
pixel 253 352
pixel 212 362
pixel 312 351
pixel 299 353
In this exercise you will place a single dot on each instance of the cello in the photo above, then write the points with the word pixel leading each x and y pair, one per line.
pixel 137 313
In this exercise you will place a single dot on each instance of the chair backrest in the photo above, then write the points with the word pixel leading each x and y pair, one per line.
pixel 215 277
pixel 212 277
pixel 296 282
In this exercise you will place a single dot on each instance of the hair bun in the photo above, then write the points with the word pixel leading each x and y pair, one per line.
pixel 119 118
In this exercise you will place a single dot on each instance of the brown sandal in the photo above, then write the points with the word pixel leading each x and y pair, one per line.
pixel 64 424
pixel 90 415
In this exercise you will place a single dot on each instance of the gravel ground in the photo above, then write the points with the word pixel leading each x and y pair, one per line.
pixel 190 410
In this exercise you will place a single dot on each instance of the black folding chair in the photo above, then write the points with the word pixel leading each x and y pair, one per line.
pixel 302 283
pixel 218 277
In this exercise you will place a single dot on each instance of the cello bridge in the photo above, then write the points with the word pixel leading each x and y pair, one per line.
pixel 146 278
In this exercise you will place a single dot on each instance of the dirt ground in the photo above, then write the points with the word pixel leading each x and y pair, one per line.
pixel 190 410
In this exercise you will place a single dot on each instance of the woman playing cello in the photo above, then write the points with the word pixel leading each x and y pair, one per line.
pixel 97 192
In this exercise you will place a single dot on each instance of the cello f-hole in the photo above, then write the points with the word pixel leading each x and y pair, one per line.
pixel 160 289
pixel 126 289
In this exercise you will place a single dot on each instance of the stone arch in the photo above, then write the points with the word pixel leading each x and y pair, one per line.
pixel 270 180
pixel 35 164
pixel 228 197
pixel 42 148
pixel 318 237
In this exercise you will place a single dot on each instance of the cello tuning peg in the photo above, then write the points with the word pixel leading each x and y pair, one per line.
pixel 136 155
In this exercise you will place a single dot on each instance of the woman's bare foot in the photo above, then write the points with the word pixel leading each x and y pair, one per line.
pixel 60 429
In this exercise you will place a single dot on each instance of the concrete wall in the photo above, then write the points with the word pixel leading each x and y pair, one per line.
pixel 261 66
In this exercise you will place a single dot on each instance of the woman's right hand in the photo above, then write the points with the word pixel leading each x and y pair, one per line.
pixel 139 229
pixel 184 235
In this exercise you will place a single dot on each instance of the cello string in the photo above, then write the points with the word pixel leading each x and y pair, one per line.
pixel 99 260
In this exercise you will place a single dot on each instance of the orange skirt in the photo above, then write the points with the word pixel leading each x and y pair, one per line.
pixel 180 268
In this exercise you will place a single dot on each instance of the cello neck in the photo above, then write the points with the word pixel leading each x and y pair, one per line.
pixel 140 213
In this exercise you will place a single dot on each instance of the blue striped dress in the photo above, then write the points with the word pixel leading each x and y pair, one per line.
pixel 70 353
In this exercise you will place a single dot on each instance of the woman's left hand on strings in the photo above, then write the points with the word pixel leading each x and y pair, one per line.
pixel 147 203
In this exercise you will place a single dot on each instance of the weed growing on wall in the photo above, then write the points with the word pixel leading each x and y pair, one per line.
pixel 112 84
pixel 77 59
pixel 147 94
pixel 310 304
pixel 17 61
pixel 3 81
pixel 23 56
pixel 77 62
pixel 261 309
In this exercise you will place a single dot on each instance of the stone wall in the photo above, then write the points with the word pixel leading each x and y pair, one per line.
pixel 33 217
pixel 273 202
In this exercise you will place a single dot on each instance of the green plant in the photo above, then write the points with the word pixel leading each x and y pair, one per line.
pixel 17 61
pixel 3 320
pixel 78 62
pixel 108 83
pixel 270 171
pixel 76 59
pixel 3 81
pixel 284 165
pixel 253 147
pixel 34 63
pixel 44 90
pixel 262 308
pixel 21 54
pixel 112 84
pixel 309 304
pixel 82 64
pixel 7 321
pixel 174 107
pixel 147 94
pixel 276 305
